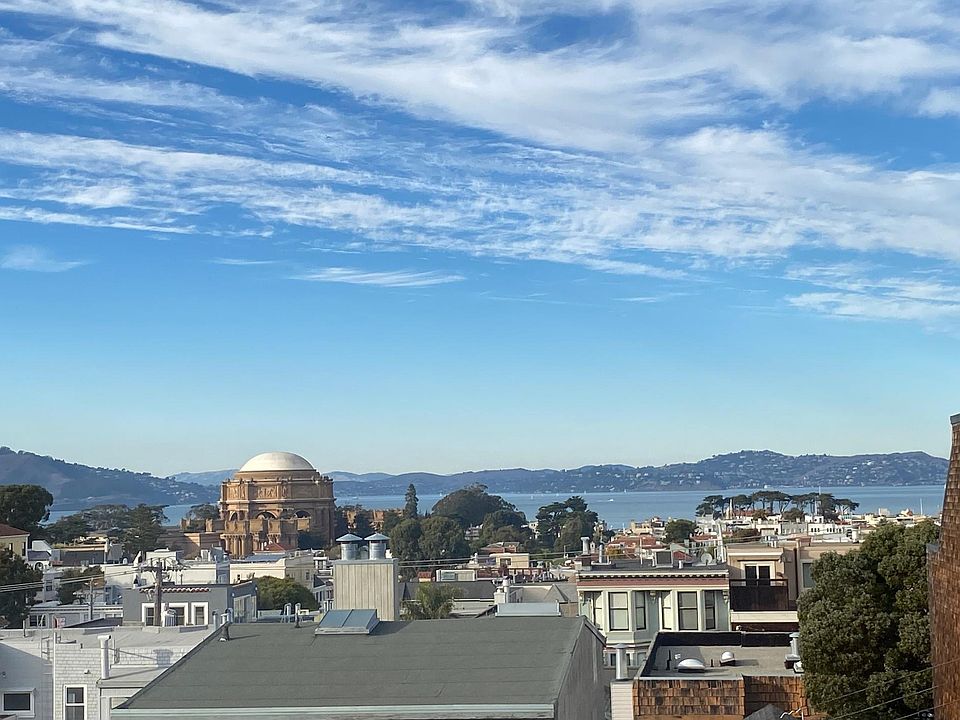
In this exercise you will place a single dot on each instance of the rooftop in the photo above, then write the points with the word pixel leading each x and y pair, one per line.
pixel 276 462
pixel 757 654
pixel 421 663
pixel 9 531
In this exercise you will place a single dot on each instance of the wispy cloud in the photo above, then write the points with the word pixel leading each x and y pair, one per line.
pixel 393 279
pixel 242 262
pixel 31 258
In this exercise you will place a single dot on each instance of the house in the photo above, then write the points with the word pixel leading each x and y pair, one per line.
pixel 720 675
pixel 298 565
pixel 192 604
pixel 631 601
pixel 83 672
pixel 474 597
pixel 14 540
pixel 352 666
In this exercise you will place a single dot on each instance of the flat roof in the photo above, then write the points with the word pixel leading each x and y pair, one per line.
pixel 515 661
pixel 756 654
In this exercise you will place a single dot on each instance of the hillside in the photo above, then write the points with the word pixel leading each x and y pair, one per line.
pixel 75 486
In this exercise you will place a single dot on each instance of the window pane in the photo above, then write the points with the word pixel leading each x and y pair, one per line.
pixel 16 701
pixel 619 614
pixel 807 569
pixel 74 695
pixel 640 610
pixel 710 610
pixel 687 604
pixel 74 712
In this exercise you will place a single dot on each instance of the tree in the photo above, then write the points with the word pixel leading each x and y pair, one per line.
pixel 68 591
pixel 553 517
pixel 573 529
pixel 496 522
pixel 14 604
pixel 864 629
pixel 198 515
pixel 144 527
pixel 391 518
pixel 405 545
pixel 109 518
pixel 67 529
pixel 411 507
pixel 793 515
pixel 678 531
pixel 273 593
pixel 745 534
pixel 25 507
pixel 470 505
pixel 434 602
pixel 442 538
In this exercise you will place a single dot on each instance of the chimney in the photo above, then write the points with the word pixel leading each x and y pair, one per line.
pixel 600 556
pixel 348 546
pixel 104 656
pixel 585 545
pixel 506 588
pixel 378 546
pixel 622 673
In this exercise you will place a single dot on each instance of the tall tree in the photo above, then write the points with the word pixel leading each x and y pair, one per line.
pixel 553 518
pixel 405 540
pixel 198 515
pixel 144 527
pixel 434 602
pixel 14 605
pixel 864 627
pixel 442 539
pixel 470 505
pixel 25 507
pixel 67 529
pixel 678 531
pixel 273 593
pixel 411 504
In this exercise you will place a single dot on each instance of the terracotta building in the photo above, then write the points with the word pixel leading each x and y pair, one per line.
pixel 944 575
pixel 272 499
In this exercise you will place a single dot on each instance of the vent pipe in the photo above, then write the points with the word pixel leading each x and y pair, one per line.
pixel 348 546
pixel 506 589
pixel 601 558
pixel 377 544
pixel 795 644
pixel 104 656
pixel 585 545
pixel 622 673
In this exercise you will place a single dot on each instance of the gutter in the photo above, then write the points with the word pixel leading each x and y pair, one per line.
pixel 351 712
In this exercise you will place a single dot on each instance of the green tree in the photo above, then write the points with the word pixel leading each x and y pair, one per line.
pixel 678 531
pixel 793 515
pixel 553 517
pixel 107 518
pixel 273 593
pixel 573 529
pixel 434 602
pixel 14 605
pixel 745 534
pixel 411 504
pixel 442 538
pixel 470 505
pixel 504 526
pixel 70 589
pixel 144 527
pixel 25 507
pixel 67 529
pixel 391 518
pixel 864 629
pixel 198 515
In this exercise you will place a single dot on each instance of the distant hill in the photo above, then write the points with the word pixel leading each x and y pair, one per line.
pixel 745 469
pixel 213 477
pixel 76 486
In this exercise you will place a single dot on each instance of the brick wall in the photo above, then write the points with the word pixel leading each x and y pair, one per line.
pixel 944 579
pixel 730 699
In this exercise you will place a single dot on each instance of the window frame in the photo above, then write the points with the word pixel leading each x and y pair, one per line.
pixel 194 607
pixel 640 609
pixel 682 608
pixel 710 610
pixel 68 705
pixel 29 692
pixel 625 610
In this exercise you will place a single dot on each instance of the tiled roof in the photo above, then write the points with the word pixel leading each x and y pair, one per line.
pixel 7 531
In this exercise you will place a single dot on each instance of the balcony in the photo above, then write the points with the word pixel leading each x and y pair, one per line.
pixel 749 596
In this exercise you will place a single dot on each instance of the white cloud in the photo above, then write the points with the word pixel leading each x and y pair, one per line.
pixel 35 259
pixel 242 262
pixel 394 279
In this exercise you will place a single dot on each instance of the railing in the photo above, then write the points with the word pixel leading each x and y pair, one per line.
pixel 752 596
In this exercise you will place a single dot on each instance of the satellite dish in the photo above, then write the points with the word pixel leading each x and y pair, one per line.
pixel 707 559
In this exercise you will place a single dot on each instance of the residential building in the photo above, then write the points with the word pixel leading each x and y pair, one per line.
pixel 299 566
pixel 81 673
pixel 352 666
pixel 631 601
pixel 944 578
pixel 192 604
pixel 14 540
pixel 717 675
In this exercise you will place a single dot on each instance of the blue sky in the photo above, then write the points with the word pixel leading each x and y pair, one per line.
pixel 446 236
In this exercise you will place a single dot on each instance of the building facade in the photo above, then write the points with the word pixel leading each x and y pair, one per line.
pixel 272 499
pixel 944 577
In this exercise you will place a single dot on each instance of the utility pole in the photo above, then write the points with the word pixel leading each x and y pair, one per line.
pixel 157 594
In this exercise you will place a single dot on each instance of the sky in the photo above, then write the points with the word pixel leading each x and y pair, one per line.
pixel 458 235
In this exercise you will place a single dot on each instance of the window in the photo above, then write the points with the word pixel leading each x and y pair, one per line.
pixel 710 610
pixel 179 612
pixel 199 613
pixel 19 702
pixel 806 570
pixel 639 610
pixel 757 574
pixel 592 608
pixel 666 611
pixel 619 612
pixel 75 703
pixel 687 606
pixel 149 618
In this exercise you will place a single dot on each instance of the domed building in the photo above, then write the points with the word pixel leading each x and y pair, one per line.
pixel 272 499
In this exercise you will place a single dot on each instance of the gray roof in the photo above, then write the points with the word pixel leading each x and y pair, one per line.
pixel 500 661
pixel 767 712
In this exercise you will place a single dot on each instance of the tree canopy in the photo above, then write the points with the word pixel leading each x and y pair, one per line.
pixel 864 627
pixel 198 515
pixel 678 531
pixel 411 506
pixel 68 592
pixel 470 505
pixel 571 515
pixel 775 502
pixel 442 538
pixel 25 507
pixel 14 606
pixel 67 529
pixel 144 525
pixel 434 602
pixel 273 593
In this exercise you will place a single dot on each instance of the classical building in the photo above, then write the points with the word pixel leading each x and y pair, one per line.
pixel 272 499
pixel 944 577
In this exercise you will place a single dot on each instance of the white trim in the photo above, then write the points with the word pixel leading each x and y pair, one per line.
pixel 185 606
pixel 192 620
pixel 86 699
pixel 20 691
pixel 374 712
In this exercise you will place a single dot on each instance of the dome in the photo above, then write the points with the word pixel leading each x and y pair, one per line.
pixel 274 462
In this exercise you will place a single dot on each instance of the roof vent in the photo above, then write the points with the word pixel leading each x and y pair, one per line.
pixel 691 665
pixel 347 622
pixel 348 546
pixel 378 546
pixel 727 658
